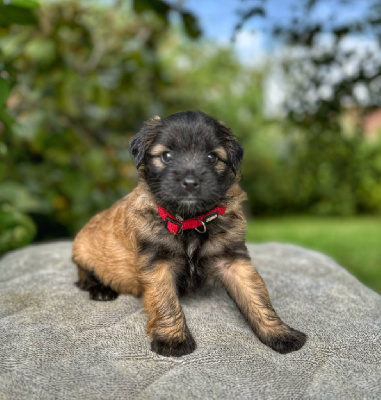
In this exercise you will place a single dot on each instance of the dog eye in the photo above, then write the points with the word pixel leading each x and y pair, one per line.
pixel 166 157
pixel 212 158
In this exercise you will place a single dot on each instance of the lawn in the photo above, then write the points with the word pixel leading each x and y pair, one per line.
pixel 355 243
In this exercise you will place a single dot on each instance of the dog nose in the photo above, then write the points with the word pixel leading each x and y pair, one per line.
pixel 190 183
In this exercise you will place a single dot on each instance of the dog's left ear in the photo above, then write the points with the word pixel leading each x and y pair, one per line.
pixel 235 154
pixel 232 146
pixel 141 142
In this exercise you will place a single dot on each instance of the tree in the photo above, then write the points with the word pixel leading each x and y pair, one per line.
pixel 16 228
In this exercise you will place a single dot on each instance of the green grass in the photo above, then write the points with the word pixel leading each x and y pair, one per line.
pixel 355 242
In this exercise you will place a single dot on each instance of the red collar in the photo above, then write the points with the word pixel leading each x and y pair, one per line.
pixel 176 225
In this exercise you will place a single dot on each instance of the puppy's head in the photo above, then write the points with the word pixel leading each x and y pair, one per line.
pixel 189 159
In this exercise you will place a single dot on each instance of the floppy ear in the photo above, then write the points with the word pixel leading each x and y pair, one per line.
pixel 232 146
pixel 235 154
pixel 142 140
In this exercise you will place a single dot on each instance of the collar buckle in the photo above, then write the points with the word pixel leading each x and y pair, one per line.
pixel 174 222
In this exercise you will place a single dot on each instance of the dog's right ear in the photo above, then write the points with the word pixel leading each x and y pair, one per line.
pixel 143 139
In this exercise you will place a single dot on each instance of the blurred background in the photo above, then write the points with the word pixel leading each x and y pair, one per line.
pixel 298 81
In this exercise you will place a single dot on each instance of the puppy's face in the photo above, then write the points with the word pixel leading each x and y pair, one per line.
pixel 190 160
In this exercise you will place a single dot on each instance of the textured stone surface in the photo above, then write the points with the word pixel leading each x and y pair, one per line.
pixel 56 343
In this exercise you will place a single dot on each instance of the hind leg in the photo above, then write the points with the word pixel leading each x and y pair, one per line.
pixel 97 290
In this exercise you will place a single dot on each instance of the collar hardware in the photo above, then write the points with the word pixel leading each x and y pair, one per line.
pixel 203 226
pixel 171 225
pixel 211 217
pixel 176 225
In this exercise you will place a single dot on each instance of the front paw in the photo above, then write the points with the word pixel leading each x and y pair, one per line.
pixel 286 341
pixel 102 293
pixel 172 348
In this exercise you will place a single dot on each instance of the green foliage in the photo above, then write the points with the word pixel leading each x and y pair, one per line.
pixel 326 174
pixel 4 91
pixel 17 12
pixel 16 228
pixel 162 9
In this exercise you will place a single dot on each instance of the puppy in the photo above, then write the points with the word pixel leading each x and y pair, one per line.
pixel 181 226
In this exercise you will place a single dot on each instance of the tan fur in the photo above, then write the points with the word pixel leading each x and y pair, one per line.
pixel 221 153
pixel 156 152
pixel 107 244
pixel 220 166
pixel 246 286
pixel 158 149
pixel 165 316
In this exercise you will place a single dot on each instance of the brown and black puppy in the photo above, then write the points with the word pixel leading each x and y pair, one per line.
pixel 181 226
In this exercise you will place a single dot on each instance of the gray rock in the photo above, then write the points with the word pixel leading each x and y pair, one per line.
pixel 57 344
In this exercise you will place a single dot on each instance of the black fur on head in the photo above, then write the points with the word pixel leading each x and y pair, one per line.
pixel 190 160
